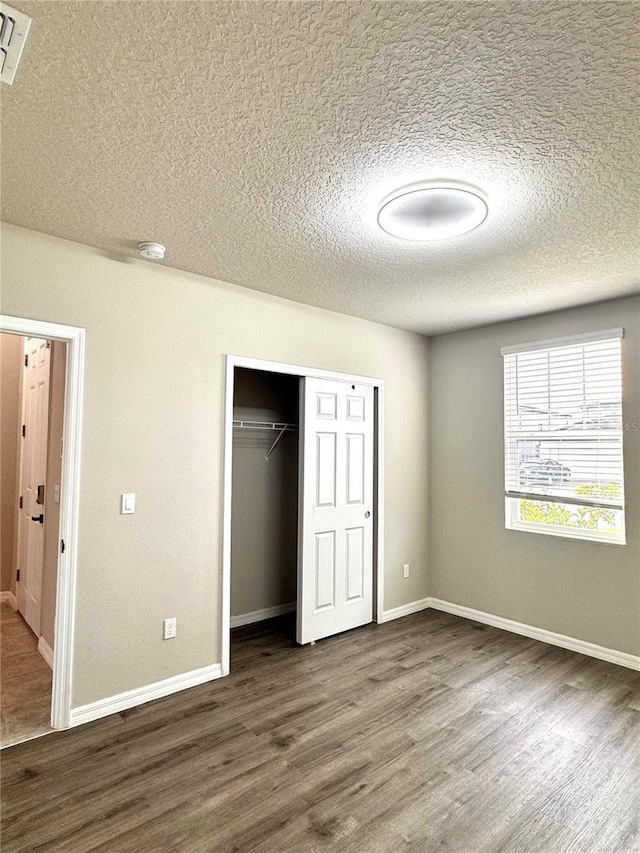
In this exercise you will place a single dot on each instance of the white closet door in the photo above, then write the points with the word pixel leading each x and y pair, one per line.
pixel 335 569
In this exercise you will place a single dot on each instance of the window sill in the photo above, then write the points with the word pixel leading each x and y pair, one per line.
pixel 600 537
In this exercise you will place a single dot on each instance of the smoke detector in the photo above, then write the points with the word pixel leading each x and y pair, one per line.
pixel 151 251
pixel 14 26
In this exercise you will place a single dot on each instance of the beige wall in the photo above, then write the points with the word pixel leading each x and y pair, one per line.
pixel 11 359
pixel 264 516
pixel 52 506
pixel 583 589
pixel 153 414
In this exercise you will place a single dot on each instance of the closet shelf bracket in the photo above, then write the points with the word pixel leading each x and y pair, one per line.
pixel 273 446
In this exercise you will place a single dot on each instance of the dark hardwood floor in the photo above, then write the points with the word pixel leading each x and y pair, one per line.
pixel 430 733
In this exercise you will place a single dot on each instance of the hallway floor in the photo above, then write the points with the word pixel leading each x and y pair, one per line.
pixel 25 682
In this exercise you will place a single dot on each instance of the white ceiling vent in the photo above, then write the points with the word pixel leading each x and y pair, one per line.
pixel 14 27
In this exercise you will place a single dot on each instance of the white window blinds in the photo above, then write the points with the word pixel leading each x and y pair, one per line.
pixel 563 436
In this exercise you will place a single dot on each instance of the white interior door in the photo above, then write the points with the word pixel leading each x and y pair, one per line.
pixel 33 469
pixel 335 567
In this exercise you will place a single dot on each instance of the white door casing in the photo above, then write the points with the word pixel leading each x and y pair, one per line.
pixel 335 566
pixel 33 469
pixel 377 384
pixel 75 339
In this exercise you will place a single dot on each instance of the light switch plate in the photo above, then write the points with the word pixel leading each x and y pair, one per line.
pixel 127 504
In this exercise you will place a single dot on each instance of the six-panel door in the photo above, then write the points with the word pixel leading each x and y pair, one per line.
pixel 33 475
pixel 335 572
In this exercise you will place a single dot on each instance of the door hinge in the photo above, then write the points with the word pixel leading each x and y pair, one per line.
pixel 62 546
pixel 20 504
pixel 24 430
pixel 18 575
pixel 26 361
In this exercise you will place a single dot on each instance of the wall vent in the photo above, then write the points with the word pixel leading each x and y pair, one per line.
pixel 14 26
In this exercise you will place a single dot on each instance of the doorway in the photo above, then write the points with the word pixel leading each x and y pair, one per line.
pixel 41 584
pixel 33 389
pixel 337 421
pixel 264 496
pixel 264 504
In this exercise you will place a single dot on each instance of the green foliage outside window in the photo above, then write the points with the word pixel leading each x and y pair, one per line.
pixel 586 517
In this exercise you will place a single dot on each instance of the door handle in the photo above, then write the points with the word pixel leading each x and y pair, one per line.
pixel 38 518
pixel 367 514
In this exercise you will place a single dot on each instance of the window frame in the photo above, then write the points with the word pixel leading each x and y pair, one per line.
pixel 514 496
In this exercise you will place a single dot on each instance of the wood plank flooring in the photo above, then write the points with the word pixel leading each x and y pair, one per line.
pixel 429 733
pixel 25 681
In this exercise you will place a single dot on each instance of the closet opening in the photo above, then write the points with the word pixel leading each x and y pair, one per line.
pixel 264 506
pixel 303 503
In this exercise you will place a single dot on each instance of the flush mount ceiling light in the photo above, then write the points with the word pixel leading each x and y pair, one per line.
pixel 433 210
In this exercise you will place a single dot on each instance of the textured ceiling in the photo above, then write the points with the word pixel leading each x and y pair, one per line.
pixel 256 139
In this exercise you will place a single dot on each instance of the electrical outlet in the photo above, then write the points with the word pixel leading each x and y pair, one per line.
pixel 169 628
pixel 406 570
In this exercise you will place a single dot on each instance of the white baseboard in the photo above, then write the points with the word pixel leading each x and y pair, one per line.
pixel 551 637
pixel 8 597
pixel 261 615
pixel 406 609
pixel 140 695
pixel 46 651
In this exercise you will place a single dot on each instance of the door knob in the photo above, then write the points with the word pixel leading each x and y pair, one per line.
pixel 38 518
pixel 367 514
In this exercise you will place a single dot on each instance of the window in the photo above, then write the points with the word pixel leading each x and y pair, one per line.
pixel 563 437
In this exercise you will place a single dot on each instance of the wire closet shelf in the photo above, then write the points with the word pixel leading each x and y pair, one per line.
pixel 272 426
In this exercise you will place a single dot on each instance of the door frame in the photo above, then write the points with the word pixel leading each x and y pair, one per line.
pixel 233 361
pixel 75 338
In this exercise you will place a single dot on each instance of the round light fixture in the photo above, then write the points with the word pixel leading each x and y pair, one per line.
pixel 433 210
pixel 151 251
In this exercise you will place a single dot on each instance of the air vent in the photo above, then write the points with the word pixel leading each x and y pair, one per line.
pixel 14 27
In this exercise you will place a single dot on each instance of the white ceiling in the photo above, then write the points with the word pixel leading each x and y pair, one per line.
pixel 255 139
